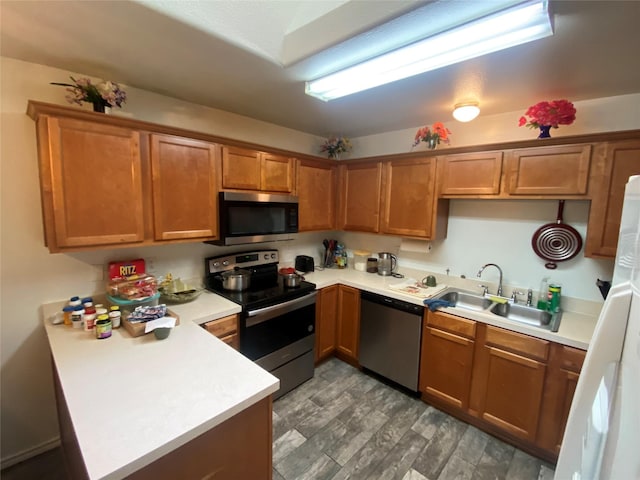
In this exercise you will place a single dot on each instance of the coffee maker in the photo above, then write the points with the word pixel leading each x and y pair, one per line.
pixel 387 263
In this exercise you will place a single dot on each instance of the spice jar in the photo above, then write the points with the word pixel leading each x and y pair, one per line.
pixel 66 315
pixel 103 327
pixel 76 316
pixel 372 265
pixel 115 315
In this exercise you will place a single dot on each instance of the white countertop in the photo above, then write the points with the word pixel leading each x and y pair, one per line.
pixel 576 329
pixel 132 400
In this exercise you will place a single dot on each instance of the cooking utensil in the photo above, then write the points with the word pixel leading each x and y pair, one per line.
pixel 236 280
pixel 291 280
pixel 556 242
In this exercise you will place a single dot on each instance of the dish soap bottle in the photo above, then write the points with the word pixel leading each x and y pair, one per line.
pixel 543 294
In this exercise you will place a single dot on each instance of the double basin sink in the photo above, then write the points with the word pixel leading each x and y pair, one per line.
pixel 502 308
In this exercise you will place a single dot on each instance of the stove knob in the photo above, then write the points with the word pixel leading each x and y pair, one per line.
pixel 266 256
pixel 273 255
pixel 225 263
pixel 216 264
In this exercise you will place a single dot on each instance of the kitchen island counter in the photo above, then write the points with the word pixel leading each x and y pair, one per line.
pixel 576 328
pixel 132 401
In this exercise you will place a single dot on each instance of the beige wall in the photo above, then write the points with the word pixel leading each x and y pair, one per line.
pixel 593 116
pixel 30 276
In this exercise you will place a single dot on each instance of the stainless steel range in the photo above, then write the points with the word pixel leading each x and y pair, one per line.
pixel 277 324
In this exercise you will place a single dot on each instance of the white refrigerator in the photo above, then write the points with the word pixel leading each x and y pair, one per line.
pixel 602 437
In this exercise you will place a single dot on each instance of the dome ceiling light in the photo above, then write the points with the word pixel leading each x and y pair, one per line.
pixel 465 112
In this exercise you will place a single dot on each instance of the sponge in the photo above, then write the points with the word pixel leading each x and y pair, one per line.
pixel 498 299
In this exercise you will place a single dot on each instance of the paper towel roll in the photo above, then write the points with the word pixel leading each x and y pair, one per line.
pixel 414 245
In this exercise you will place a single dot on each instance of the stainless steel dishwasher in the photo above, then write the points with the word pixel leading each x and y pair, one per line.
pixel 390 334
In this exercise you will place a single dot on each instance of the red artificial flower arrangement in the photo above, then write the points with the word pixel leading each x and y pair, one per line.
pixel 557 112
pixel 433 136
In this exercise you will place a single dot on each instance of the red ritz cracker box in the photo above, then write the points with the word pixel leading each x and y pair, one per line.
pixel 122 270
pixel 129 281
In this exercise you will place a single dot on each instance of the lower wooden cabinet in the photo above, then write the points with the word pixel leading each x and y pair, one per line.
pixel 514 386
pixel 446 358
pixel 560 385
pixel 326 318
pixel 348 328
pixel 226 329
pixel 509 375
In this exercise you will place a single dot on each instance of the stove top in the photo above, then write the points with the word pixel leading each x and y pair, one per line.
pixel 265 289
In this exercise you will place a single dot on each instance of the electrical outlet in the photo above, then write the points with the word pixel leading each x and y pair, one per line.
pixel 150 263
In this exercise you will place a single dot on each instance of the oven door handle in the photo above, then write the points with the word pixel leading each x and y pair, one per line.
pixel 263 314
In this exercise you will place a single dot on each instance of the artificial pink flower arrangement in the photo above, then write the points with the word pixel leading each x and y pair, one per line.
pixel 438 133
pixel 557 112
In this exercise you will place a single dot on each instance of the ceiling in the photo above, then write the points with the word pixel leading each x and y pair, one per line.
pixel 252 57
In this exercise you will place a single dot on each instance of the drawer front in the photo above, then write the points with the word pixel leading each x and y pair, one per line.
pixel 223 326
pixel 453 324
pixel 571 358
pixel 518 343
pixel 232 340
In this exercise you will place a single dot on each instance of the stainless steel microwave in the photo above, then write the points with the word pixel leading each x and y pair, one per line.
pixel 256 217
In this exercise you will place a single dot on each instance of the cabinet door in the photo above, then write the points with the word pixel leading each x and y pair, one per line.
pixel 316 189
pixel 561 170
pixel 408 197
pixel 622 160
pixel 471 174
pixel 184 188
pixel 446 360
pixel 276 173
pixel 348 331
pixel 240 168
pixel 91 183
pixel 326 317
pixel 509 376
pixel 360 196
pixel 560 385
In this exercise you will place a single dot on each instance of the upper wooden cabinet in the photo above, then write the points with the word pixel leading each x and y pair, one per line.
pixel 558 170
pixel 316 190
pixel 470 173
pixel 91 182
pixel 618 162
pixel 245 169
pixel 185 200
pixel 408 196
pixel 393 196
pixel 360 196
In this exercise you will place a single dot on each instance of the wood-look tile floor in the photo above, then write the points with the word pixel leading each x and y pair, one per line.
pixel 344 424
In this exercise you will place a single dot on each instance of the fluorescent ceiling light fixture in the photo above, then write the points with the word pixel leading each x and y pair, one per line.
pixel 514 26
pixel 465 112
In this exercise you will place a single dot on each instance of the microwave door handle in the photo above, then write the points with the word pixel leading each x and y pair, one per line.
pixel 263 314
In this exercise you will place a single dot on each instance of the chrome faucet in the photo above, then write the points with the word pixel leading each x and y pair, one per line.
pixel 499 292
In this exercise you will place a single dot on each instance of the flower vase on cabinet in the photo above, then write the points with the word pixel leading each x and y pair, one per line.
pixel 544 131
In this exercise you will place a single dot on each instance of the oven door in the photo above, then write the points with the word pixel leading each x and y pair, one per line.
pixel 281 340
pixel 267 330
